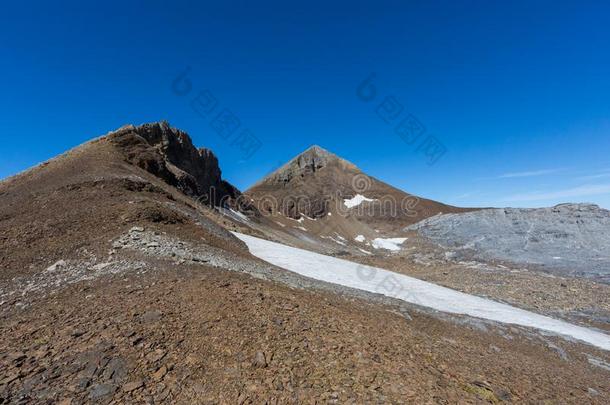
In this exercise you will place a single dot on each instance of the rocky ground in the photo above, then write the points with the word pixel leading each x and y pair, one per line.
pixel 117 287
pixel 191 333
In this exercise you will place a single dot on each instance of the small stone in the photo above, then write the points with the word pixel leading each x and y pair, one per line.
pixel 16 357
pixel 100 390
pixel 259 360
pixel 101 266
pixel 57 265
pixel 278 385
pixel 241 399
pixel 152 244
pixel 115 370
pixel 503 395
pixel 483 384
pixel 77 333
pixel 136 229
pixel 162 396
pixel 158 376
pixel 198 389
pixel 152 316
pixel 136 340
pixel 156 355
pixel 132 386
pixel 81 384
pixel 10 378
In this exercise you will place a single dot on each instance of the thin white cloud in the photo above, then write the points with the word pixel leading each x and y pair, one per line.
pixel 601 175
pixel 580 191
pixel 529 174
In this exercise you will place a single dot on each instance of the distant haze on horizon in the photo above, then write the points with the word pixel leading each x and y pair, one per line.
pixel 514 95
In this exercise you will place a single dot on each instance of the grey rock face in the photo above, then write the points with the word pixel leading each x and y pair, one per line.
pixel 568 238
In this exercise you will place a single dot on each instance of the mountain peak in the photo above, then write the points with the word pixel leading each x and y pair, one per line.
pixel 316 149
pixel 309 161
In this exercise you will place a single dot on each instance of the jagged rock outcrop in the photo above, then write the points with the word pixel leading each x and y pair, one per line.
pixel 569 238
pixel 169 153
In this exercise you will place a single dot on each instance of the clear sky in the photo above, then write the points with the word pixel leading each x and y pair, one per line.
pixel 516 93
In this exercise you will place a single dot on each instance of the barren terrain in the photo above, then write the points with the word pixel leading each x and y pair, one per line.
pixel 116 286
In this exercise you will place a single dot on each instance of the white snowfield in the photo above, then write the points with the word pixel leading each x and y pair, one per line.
pixel 356 200
pixel 412 290
pixel 388 243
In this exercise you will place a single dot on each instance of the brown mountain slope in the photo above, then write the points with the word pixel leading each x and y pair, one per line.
pixel 314 182
pixel 343 201
pixel 77 201
pixel 117 286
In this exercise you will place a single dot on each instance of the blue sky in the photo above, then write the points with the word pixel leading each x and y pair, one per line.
pixel 517 93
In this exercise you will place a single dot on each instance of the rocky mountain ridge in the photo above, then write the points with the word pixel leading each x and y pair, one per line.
pixel 169 153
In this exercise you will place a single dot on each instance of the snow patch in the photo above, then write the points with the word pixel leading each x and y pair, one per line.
pixel 236 215
pixel 360 238
pixel 356 200
pixel 358 276
pixel 388 243
pixel 240 215
pixel 598 362
pixel 334 239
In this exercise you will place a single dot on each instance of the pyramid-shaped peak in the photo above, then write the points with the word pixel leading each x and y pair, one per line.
pixel 317 153
pixel 316 157
pixel 318 150
pixel 309 161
